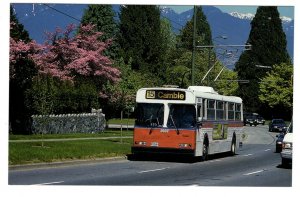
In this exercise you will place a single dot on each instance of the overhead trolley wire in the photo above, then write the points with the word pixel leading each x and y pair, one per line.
pixel 61 12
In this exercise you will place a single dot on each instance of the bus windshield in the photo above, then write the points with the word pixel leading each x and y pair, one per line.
pixel 182 116
pixel 149 114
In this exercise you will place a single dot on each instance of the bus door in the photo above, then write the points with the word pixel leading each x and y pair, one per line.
pixel 199 132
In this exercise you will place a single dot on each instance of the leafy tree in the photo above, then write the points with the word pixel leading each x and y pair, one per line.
pixel 140 37
pixel 69 58
pixel 203 32
pixel 17 31
pixel 268 48
pixel 168 37
pixel 42 96
pixel 102 16
pixel 180 60
pixel 121 96
pixel 276 88
pixel 21 71
pixel 226 83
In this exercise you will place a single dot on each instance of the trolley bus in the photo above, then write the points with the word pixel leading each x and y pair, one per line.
pixel 196 121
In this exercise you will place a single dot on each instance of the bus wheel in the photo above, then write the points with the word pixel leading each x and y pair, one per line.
pixel 205 151
pixel 233 147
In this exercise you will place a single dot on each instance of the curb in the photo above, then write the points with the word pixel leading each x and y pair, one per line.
pixel 64 163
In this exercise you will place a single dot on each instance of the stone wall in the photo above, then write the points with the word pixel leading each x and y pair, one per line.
pixel 69 123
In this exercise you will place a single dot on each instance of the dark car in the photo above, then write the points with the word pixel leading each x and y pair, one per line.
pixel 260 120
pixel 277 125
pixel 279 142
pixel 250 120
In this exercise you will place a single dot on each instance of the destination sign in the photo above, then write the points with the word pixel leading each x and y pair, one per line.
pixel 165 94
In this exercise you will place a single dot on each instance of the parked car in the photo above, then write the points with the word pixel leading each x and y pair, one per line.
pixel 279 142
pixel 277 125
pixel 287 147
pixel 260 120
pixel 251 120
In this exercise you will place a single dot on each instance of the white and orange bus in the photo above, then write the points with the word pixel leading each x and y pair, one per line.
pixel 196 121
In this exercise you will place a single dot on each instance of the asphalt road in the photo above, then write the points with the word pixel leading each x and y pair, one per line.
pixel 256 164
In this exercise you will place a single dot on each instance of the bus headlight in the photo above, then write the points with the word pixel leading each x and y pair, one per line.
pixel 141 143
pixel 185 145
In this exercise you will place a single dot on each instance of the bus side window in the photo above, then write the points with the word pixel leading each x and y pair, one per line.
pixel 238 112
pixel 230 111
pixel 211 110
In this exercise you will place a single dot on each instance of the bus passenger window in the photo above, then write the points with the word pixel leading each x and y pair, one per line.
pixel 237 111
pixel 211 111
pixel 230 111
pixel 220 110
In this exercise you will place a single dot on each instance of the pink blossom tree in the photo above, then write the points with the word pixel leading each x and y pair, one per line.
pixel 66 56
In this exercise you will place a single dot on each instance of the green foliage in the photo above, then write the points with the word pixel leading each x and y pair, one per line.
pixel 268 48
pixel 21 72
pixel 203 32
pixel 168 37
pixel 42 96
pixel 226 83
pixel 276 88
pixel 17 32
pixel 102 16
pixel 49 95
pixel 140 37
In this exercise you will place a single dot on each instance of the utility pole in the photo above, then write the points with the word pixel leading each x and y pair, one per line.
pixel 194 46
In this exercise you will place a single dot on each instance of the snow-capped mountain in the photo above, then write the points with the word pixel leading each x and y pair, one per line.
pixel 247 16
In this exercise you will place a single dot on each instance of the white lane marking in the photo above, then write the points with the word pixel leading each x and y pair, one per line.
pixel 267 149
pixel 152 170
pixel 250 173
pixel 50 183
pixel 215 160
pixel 247 155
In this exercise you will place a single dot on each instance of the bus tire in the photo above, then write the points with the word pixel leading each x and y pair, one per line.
pixel 233 146
pixel 205 150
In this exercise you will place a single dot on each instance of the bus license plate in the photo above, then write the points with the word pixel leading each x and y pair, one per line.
pixel 154 143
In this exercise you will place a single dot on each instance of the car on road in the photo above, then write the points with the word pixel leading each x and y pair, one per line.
pixel 277 125
pixel 279 142
pixel 250 120
pixel 287 147
pixel 260 120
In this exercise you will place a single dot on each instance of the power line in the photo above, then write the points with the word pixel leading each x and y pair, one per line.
pixel 61 12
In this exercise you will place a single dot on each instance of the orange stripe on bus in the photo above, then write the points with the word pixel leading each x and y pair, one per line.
pixel 165 139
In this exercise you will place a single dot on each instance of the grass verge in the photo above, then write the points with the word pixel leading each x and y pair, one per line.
pixel 107 133
pixel 34 152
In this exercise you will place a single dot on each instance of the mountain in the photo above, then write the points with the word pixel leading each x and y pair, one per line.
pixel 40 18
pixel 235 26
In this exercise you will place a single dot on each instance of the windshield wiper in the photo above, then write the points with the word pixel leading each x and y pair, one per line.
pixel 174 124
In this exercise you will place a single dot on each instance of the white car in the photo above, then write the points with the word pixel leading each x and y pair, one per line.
pixel 287 147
